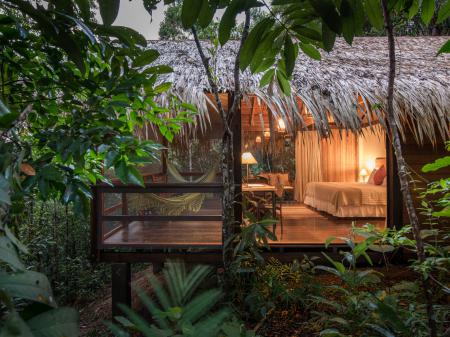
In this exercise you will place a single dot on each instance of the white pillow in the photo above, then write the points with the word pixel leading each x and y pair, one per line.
pixel 372 174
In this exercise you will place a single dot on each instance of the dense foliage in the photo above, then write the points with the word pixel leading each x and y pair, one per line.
pixel 171 27
pixel 59 244
pixel 72 92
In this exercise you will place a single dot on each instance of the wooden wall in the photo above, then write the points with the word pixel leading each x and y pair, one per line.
pixel 417 156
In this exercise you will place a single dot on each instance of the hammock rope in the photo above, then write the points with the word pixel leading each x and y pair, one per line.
pixel 175 205
pixel 208 177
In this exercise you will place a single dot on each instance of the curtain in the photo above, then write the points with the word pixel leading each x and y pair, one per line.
pixel 307 161
pixel 333 158
pixel 339 157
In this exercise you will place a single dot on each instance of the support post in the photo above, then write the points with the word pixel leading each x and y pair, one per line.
pixel 394 195
pixel 237 152
pixel 120 286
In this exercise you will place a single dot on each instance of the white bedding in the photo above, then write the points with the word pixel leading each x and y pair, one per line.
pixel 347 199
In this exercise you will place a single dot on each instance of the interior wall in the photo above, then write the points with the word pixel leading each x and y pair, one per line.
pixel 371 145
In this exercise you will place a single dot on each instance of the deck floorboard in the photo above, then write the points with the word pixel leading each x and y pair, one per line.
pixel 301 225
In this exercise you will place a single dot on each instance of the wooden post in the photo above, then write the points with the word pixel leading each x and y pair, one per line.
pixel 165 155
pixel 237 152
pixel 394 195
pixel 120 286
pixel 272 139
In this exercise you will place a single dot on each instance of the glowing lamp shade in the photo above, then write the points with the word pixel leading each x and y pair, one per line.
pixel 248 159
pixel 258 139
pixel 363 173
pixel 266 134
pixel 281 125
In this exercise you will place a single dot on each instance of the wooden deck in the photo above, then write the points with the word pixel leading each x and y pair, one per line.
pixel 301 226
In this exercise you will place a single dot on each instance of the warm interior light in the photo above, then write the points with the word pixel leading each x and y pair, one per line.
pixel 258 139
pixel 281 125
pixel 247 158
pixel 370 164
pixel 363 173
pixel 266 134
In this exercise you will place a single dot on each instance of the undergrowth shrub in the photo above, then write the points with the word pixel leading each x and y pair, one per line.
pixel 58 240
pixel 278 285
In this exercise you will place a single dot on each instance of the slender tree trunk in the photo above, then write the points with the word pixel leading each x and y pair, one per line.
pixel 228 218
pixel 403 169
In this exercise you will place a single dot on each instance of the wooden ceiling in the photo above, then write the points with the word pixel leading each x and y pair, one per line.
pixel 255 114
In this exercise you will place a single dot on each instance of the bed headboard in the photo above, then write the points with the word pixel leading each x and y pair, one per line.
pixel 380 161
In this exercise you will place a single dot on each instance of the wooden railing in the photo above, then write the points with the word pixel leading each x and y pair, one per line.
pixel 100 214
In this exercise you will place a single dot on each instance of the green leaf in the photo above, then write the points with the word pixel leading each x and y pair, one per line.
pixel 427 10
pixel 109 10
pixel 284 83
pixel 252 41
pixel 310 50
pixel 163 87
pixel 126 35
pixel 228 21
pixel 190 12
pixel 14 326
pixel 161 69
pixel 8 254
pixel 331 333
pixel 374 13
pixel 328 38
pixel 206 14
pixel 352 14
pixel 445 48
pixel 73 51
pixel 444 12
pixel 4 191
pixel 437 164
pixel 55 323
pixel 289 55
pixel 128 174
pixel 267 77
pixel 328 12
pixel 6 116
pixel 116 330
pixel 85 9
pixel 413 9
pixel 19 245
pixel 329 240
pixel 28 285
pixel 146 57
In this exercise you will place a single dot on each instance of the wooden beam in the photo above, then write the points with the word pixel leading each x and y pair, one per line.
pixel 237 150
pixel 120 287
pixel 394 196
pixel 252 111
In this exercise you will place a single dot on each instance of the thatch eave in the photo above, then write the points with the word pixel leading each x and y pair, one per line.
pixel 333 85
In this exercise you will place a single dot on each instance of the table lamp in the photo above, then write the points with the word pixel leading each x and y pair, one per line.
pixel 363 174
pixel 248 159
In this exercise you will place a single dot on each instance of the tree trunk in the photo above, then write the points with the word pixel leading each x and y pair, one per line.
pixel 228 219
pixel 228 216
pixel 403 169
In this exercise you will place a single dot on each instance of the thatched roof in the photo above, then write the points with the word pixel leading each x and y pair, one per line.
pixel 340 84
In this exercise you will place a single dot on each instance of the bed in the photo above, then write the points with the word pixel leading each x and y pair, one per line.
pixel 344 200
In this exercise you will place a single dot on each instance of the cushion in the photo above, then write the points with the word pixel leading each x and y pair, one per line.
pixel 372 174
pixel 273 179
pixel 379 175
pixel 283 179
